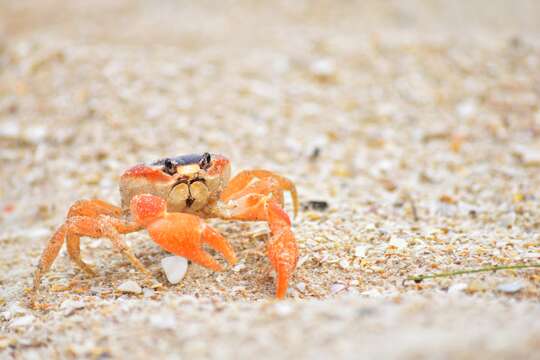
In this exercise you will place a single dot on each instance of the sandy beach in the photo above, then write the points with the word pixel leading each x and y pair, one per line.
pixel 417 123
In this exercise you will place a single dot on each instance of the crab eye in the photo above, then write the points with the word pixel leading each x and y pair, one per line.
pixel 206 161
pixel 169 167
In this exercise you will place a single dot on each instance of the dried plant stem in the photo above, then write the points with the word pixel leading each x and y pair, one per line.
pixel 419 278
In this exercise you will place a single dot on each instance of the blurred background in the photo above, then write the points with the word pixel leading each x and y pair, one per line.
pixel 416 121
pixel 108 84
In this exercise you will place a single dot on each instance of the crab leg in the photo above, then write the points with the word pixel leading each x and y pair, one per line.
pixel 93 218
pixel 73 243
pixel 261 182
pixel 179 233
pixel 257 200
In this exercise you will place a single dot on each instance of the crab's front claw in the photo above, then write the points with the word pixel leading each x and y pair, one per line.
pixel 179 233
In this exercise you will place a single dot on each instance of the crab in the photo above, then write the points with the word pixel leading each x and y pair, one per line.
pixel 170 198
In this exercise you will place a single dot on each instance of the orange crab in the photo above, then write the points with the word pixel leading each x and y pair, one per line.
pixel 170 198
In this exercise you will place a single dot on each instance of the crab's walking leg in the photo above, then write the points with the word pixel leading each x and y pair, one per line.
pixel 108 227
pixel 260 182
pixel 93 218
pixel 48 256
pixel 179 233
pixel 259 198
pixel 73 243
pixel 282 248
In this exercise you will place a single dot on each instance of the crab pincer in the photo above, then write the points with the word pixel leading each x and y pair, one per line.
pixel 180 233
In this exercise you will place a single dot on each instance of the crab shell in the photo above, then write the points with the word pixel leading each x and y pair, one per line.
pixel 188 183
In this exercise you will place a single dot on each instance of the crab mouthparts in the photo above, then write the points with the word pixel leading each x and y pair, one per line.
pixel 193 196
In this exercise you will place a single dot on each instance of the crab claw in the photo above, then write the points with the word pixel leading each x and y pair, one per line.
pixel 179 233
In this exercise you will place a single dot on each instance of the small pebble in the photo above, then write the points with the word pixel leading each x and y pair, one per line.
pixel 360 251
pixel 318 205
pixel 70 306
pixel 175 268
pixel 67 304
pixel 335 288
pixel 148 292
pixel 323 69
pixel 511 287
pixel 16 309
pixel 457 288
pixel 344 264
pixel 130 286
pixel 6 315
pixel 507 219
pixel 10 130
pixel 370 227
pixel 399 243
pixel 238 267
pixel 301 286
pixel 35 134
pixel 22 321
pixel 466 109
pixel 529 156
